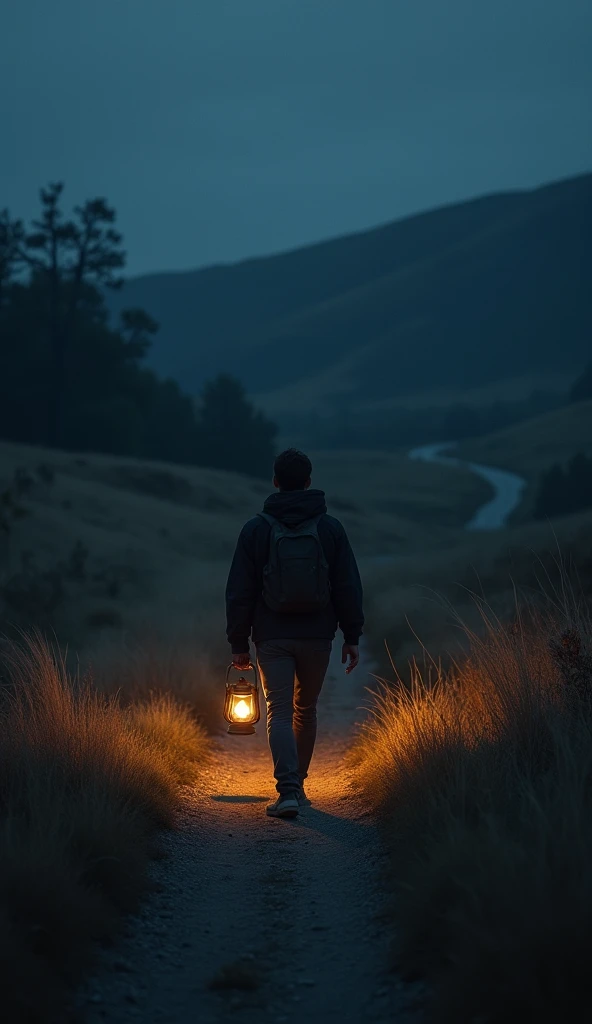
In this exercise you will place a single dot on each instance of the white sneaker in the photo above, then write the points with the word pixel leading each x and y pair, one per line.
pixel 283 807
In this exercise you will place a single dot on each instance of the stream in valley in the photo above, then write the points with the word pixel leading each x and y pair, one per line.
pixel 508 487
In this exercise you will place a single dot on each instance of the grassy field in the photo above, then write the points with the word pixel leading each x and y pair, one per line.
pixel 387 506
pixel 331 385
pixel 97 546
pixel 482 779
pixel 408 601
pixel 127 562
pixel 109 547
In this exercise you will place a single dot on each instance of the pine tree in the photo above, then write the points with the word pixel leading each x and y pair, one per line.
pixel 67 377
pixel 70 258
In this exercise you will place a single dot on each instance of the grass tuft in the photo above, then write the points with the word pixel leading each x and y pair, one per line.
pixel 185 672
pixel 84 785
pixel 482 780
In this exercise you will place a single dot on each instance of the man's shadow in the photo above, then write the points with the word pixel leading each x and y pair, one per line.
pixel 350 831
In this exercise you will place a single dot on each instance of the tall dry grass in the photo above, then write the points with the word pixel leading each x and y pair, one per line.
pixel 483 782
pixel 153 667
pixel 85 783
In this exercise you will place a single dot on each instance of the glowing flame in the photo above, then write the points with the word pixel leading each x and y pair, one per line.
pixel 242 709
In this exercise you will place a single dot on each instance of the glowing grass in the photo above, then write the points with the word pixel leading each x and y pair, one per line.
pixel 483 784
pixel 84 785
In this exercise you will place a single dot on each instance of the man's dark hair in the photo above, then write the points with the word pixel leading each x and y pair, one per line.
pixel 292 469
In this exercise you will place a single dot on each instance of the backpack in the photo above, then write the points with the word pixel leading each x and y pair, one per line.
pixel 296 577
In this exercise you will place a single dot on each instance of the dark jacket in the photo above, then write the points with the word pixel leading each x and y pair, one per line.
pixel 247 614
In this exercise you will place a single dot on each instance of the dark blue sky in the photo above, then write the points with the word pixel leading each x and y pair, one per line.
pixel 226 128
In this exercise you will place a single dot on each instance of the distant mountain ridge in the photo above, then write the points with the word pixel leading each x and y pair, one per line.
pixel 455 297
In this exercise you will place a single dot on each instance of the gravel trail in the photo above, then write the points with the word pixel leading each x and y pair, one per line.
pixel 291 907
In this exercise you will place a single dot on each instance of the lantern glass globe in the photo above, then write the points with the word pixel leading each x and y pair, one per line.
pixel 241 707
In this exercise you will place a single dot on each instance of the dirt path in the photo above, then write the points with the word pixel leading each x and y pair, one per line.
pixel 293 905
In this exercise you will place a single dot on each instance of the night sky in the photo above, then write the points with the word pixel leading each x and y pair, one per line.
pixel 221 129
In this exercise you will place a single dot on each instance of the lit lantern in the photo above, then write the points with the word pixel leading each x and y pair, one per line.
pixel 241 707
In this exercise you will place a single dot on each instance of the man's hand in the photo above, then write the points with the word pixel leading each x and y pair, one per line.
pixel 351 651
pixel 241 660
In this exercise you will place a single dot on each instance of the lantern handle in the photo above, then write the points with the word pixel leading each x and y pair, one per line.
pixel 251 667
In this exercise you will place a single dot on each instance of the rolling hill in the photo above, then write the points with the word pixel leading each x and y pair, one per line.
pixel 455 298
pixel 531 447
pixel 95 543
pixel 117 554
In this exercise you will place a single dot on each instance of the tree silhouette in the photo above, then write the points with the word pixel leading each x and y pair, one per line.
pixel 582 388
pixel 565 489
pixel 232 435
pixel 70 258
pixel 11 240
pixel 550 499
pixel 137 327
pixel 70 379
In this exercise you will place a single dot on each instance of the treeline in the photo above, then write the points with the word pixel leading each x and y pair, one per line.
pixel 389 429
pixel 69 379
pixel 343 426
pixel 565 489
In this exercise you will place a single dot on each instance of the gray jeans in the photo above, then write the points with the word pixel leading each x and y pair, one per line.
pixel 292 674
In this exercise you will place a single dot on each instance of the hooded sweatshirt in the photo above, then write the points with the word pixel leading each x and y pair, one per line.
pixel 247 614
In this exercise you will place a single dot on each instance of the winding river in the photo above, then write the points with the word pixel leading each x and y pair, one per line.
pixel 508 487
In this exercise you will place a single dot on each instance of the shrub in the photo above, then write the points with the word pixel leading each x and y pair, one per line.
pixel 34 594
pixel 581 390
pixel 483 783
pixel 565 489
pixel 11 507
pixel 104 618
pixel 84 784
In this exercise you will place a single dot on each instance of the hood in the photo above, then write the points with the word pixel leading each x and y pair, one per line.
pixel 293 507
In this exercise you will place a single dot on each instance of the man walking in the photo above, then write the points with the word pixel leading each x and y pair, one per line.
pixel 292 582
